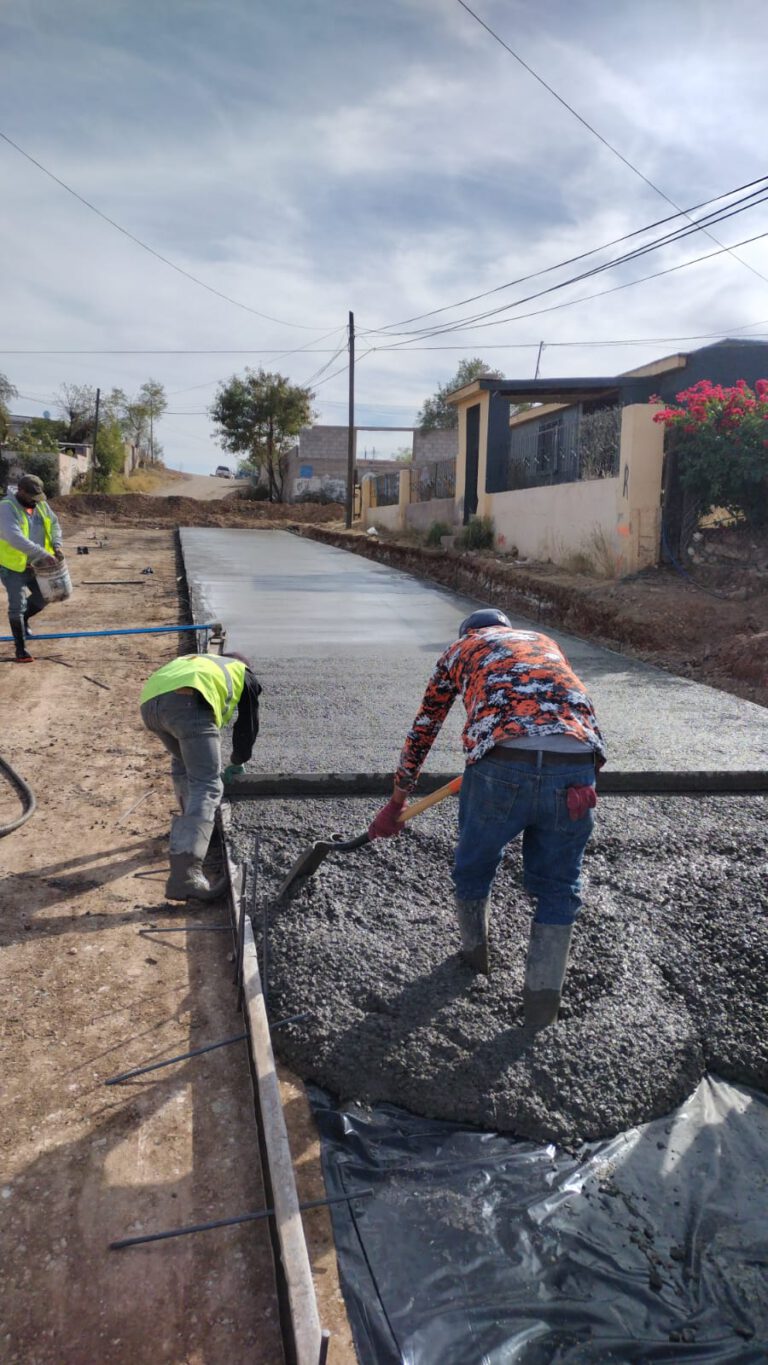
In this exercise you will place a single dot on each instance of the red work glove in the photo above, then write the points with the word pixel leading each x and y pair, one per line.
pixel 386 822
pixel 579 800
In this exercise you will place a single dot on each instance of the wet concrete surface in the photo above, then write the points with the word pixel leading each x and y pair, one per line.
pixel 343 647
pixel 667 975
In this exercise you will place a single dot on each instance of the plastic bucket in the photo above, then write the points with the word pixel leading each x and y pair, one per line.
pixel 55 583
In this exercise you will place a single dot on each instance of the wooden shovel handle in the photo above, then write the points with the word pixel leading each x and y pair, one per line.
pixel 424 802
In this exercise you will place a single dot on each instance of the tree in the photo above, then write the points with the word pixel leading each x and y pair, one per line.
pixel 439 415
pixel 152 396
pixel 109 456
pixel 7 392
pixel 77 404
pixel 41 434
pixel 256 417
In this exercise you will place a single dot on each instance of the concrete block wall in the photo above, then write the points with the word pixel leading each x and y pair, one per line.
pixel 435 445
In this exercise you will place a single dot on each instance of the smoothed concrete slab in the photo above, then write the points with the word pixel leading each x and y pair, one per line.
pixel 343 647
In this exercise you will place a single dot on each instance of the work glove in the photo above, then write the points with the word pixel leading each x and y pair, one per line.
pixel 386 822
pixel 579 800
pixel 59 553
pixel 231 771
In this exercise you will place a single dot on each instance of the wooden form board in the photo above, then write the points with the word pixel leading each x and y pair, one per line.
pixel 308 1343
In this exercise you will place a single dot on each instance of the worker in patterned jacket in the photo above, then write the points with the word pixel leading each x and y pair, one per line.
pixel 29 534
pixel 186 703
pixel 532 745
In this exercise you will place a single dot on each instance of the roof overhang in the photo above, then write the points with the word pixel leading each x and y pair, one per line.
pixel 539 390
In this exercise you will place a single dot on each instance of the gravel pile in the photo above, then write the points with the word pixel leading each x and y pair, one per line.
pixel 667 977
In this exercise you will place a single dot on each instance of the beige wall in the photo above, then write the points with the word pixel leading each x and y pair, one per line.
pixel 556 520
pixel 619 518
pixel 70 466
pixel 420 515
pixel 638 512
pixel 386 518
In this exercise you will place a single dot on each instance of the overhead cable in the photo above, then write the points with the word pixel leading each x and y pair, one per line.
pixel 626 258
pixel 590 128
pixel 570 303
pixel 302 326
pixel 570 260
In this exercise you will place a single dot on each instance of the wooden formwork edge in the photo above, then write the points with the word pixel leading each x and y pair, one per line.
pixel 298 1295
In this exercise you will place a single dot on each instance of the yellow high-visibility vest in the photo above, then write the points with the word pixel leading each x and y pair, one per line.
pixel 11 558
pixel 220 682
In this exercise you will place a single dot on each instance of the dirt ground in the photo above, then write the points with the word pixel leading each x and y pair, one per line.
pixel 92 985
pixel 152 510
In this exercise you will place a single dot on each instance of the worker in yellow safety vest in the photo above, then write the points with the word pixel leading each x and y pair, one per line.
pixel 29 534
pixel 187 703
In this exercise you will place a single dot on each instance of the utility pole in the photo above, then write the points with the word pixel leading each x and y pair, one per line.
pixel 95 438
pixel 538 359
pixel 151 437
pixel 351 430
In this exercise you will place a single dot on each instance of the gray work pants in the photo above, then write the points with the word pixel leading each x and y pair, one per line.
pixel 23 591
pixel 187 728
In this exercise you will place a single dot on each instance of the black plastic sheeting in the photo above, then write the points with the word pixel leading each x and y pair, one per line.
pixel 477 1249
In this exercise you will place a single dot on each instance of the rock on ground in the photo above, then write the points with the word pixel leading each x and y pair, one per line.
pixel 666 981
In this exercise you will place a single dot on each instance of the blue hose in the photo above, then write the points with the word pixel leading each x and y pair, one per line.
pixel 134 630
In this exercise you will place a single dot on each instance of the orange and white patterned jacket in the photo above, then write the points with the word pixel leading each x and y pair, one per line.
pixel 515 684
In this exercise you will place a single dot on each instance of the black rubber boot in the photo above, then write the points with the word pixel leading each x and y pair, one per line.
pixel 19 639
pixel 473 927
pixel 545 967
pixel 31 610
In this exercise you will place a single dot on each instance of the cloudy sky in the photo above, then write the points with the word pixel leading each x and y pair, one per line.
pixel 310 157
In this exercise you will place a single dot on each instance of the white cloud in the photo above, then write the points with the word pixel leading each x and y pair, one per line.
pixel 311 159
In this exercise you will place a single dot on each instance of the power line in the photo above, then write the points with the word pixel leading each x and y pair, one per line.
pixel 302 326
pixel 583 298
pixel 571 260
pixel 324 350
pixel 635 169
pixel 626 258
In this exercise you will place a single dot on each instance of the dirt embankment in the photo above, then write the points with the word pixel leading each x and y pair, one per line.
pixel 714 630
pixel 139 509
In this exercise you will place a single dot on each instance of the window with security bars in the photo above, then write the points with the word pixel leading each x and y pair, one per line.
pixel 564 448
pixel 387 489
pixel 435 480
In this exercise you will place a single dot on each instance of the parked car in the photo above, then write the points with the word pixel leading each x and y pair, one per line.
pixel 222 471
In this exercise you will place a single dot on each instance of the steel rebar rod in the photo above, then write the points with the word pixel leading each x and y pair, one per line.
pixel 198 1051
pixel 231 1222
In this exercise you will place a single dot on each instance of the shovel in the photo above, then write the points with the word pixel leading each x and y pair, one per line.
pixel 309 861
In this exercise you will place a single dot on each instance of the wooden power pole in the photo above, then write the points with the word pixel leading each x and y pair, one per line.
pixel 351 430
pixel 95 438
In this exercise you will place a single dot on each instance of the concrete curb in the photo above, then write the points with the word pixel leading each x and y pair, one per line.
pixel 641 782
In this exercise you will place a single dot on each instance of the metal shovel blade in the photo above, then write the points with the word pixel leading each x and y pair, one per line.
pixel 308 862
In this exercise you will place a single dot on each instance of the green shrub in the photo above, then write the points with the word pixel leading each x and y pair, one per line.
pixel 42 463
pixel 437 530
pixel 254 492
pixel 478 534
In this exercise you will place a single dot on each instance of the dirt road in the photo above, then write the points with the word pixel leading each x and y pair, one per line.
pixel 202 486
pixel 87 995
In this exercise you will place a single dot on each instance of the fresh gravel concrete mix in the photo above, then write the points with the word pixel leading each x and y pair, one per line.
pixel 667 977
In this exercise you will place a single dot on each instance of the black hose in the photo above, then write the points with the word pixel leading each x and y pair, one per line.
pixel 27 797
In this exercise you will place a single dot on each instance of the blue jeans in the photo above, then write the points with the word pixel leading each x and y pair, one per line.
pixel 500 800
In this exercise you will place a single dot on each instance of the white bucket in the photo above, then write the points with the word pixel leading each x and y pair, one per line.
pixel 55 582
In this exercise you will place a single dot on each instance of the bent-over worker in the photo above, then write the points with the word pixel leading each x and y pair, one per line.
pixel 531 743
pixel 29 534
pixel 186 703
